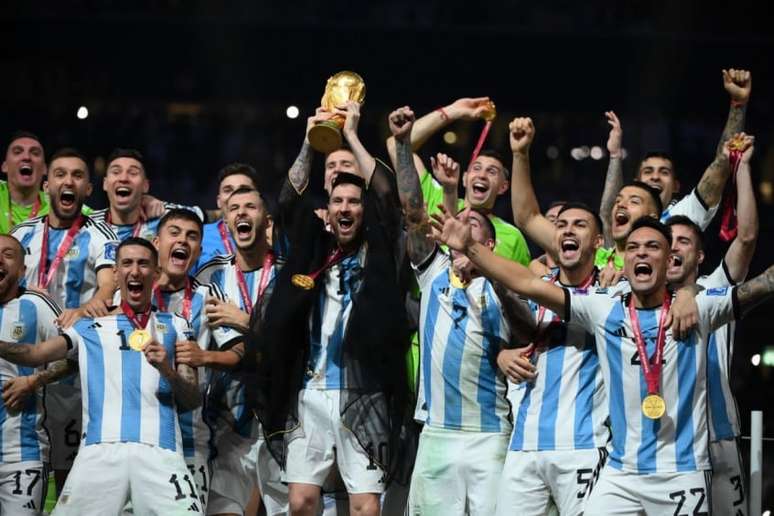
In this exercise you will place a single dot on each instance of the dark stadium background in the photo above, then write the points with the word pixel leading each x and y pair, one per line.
pixel 198 84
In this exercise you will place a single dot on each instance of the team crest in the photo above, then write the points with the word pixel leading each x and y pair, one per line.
pixel 110 251
pixel 73 252
pixel 17 331
pixel 161 327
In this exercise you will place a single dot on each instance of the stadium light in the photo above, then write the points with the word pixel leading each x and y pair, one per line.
pixel 450 137
pixel 756 359
pixel 292 112
pixel 82 113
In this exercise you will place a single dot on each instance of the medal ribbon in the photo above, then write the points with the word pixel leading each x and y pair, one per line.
pixel 139 321
pixel 46 275
pixel 652 372
pixel 335 257
pixel 33 213
pixel 135 228
pixel 187 297
pixel 728 226
pixel 481 140
pixel 268 260
pixel 224 236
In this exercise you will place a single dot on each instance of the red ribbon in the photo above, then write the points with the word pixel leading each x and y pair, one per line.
pixel 333 258
pixel 33 213
pixel 187 299
pixel 137 225
pixel 481 140
pixel 224 236
pixel 138 320
pixel 46 275
pixel 652 372
pixel 728 226
pixel 268 260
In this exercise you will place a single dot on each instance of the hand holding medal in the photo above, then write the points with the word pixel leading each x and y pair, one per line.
pixel 737 149
pixel 653 406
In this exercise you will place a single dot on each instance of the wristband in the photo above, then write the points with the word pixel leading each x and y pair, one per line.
pixel 737 104
pixel 444 115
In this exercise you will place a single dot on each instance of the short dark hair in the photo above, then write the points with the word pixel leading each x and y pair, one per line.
pixel 662 155
pixel 575 205
pixel 69 152
pixel 21 133
pixel 682 220
pixel 488 222
pixel 655 195
pixel 22 252
pixel 653 223
pixel 344 178
pixel 180 214
pixel 119 152
pixel 140 242
pixel 238 169
pixel 244 189
pixel 554 204
pixel 495 154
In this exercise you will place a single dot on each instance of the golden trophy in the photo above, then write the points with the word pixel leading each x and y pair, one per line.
pixel 326 136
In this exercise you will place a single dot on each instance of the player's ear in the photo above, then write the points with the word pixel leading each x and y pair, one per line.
pixel 503 187
pixel 155 242
pixel 700 257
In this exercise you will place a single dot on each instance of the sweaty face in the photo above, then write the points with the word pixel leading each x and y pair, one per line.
pixel 345 213
pixel 231 184
pixel 25 163
pixel 11 264
pixel 576 238
pixel 68 187
pixel 484 181
pixel 645 260
pixel 135 274
pixel 125 183
pixel 659 173
pixel 179 243
pixel 686 255
pixel 631 204
pixel 246 218
pixel 339 161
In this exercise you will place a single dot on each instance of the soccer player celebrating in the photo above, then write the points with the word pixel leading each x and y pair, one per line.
pixel 463 327
pixel 126 184
pixel 20 196
pixel 247 279
pixel 131 448
pixel 25 316
pixel 728 495
pixel 485 179
pixel 70 256
pixel 652 380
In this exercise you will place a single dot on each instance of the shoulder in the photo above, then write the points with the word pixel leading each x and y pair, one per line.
pixel 41 301
pixel 215 264
pixel 99 215
pixel 206 289
pixel 99 228
pixel 27 226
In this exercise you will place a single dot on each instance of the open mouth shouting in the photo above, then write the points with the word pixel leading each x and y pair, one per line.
pixel 123 192
pixel 67 199
pixel 675 264
pixel 244 229
pixel 643 271
pixel 570 248
pixel 621 218
pixel 134 289
pixel 26 170
pixel 179 256
pixel 479 189
pixel 345 223
pixel 3 273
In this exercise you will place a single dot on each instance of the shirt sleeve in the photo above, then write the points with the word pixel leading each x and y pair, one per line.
pixel 717 307
pixel 693 207
pixel 74 341
pixel 48 311
pixel 586 307
pixel 103 246
pixel 718 279
pixel 223 336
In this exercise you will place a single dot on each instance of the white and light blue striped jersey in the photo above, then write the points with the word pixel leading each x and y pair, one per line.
pixel 461 332
pixel 723 411
pixel 328 323
pixel 679 440
pixel 212 244
pixel 29 319
pixel 197 435
pixel 693 207
pixel 565 407
pixel 148 228
pixel 221 271
pixel 75 282
pixel 125 399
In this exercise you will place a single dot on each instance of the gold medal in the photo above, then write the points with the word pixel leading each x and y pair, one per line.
pixel 138 339
pixel 653 406
pixel 736 144
pixel 302 281
pixel 455 280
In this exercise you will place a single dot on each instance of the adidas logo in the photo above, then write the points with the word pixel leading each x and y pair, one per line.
pixel 30 505
pixel 193 508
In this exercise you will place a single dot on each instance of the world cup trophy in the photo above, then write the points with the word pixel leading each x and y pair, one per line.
pixel 326 136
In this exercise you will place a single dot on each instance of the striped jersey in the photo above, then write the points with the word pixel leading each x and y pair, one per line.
pixel 678 441
pixel 75 281
pixel 29 319
pixel 147 228
pixel 195 432
pixel 462 331
pixel 723 412
pixel 221 272
pixel 565 407
pixel 693 207
pixel 212 244
pixel 125 399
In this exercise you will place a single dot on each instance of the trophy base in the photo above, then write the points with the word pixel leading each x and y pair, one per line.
pixel 325 137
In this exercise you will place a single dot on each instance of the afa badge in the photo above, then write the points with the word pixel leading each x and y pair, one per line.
pixel 17 331
pixel 161 327
pixel 110 251
pixel 73 253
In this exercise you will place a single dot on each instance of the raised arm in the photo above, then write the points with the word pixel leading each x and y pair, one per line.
pixel 738 84
pixel 740 253
pixel 447 173
pixel 34 355
pixel 301 169
pixel 614 176
pixel 457 235
pixel 754 292
pixel 365 161
pixel 419 245
pixel 526 211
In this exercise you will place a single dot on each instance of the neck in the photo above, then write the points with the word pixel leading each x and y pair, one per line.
pixel 650 299
pixel 620 246
pixel 252 258
pixel 576 276
pixel 137 309
pixel 24 195
pixel 484 208
pixel 690 279
pixel 11 293
pixel 169 283
pixel 57 222
pixel 122 218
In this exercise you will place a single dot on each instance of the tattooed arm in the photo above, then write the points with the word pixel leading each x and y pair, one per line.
pixel 419 245
pixel 298 175
pixel 182 378
pixel 754 292
pixel 16 390
pixel 614 176
pixel 738 84
pixel 713 181
pixel 35 354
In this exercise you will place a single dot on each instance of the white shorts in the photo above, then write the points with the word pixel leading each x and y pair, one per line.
pixel 63 422
pixel 23 487
pixel 621 493
pixel 457 473
pixel 531 480
pixel 728 495
pixel 107 475
pixel 324 442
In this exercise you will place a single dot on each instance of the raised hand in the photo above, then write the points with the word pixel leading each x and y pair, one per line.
pixel 738 84
pixel 320 115
pixel 740 141
pixel 522 132
pixel 614 140
pixel 469 108
pixel 446 171
pixel 451 231
pixel 351 113
pixel 401 121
